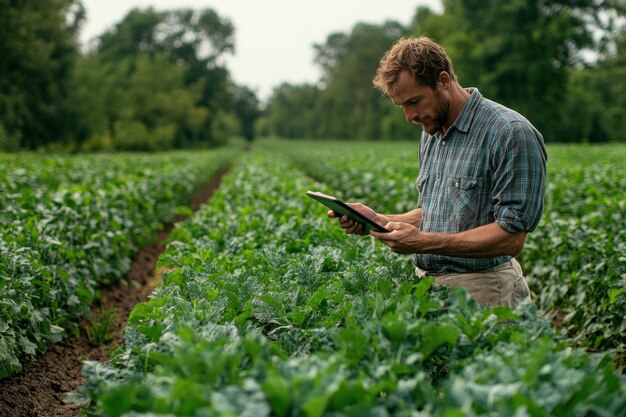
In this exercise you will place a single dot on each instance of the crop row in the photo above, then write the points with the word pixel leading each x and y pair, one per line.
pixel 269 309
pixel 575 261
pixel 69 225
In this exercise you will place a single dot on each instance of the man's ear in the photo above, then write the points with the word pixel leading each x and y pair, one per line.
pixel 444 79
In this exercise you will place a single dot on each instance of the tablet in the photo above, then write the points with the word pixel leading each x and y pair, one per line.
pixel 342 208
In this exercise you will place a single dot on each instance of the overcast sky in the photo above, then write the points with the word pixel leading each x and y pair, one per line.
pixel 273 38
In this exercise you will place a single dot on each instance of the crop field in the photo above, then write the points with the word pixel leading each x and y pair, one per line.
pixel 70 225
pixel 268 309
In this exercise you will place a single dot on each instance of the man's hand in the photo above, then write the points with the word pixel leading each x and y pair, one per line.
pixel 403 238
pixel 354 227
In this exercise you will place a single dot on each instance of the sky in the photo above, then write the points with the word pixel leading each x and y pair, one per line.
pixel 273 38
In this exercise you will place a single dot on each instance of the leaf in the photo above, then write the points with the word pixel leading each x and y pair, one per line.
pixel 315 406
pixel 184 211
pixel 614 293
pixel 433 335
pixel 277 390
pixel 394 327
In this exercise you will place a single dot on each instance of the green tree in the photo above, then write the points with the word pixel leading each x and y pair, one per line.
pixel 38 45
pixel 157 97
pixel 95 101
pixel 520 52
pixel 291 111
pixel 135 34
pixel 607 83
pixel 139 103
pixel 246 106
pixel 193 40
pixel 349 107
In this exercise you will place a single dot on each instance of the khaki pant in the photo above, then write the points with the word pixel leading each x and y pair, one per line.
pixel 502 285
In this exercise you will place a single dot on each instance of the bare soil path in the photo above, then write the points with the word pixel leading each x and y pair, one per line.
pixel 40 388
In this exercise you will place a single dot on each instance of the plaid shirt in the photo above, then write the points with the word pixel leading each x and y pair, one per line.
pixel 490 167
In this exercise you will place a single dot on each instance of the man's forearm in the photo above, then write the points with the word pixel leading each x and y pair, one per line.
pixel 482 242
pixel 413 217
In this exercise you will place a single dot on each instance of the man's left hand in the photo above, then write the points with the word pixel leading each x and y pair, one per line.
pixel 403 238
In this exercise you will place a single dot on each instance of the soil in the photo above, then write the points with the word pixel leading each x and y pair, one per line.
pixel 39 390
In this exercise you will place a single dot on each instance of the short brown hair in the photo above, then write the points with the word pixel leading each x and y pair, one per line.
pixel 421 56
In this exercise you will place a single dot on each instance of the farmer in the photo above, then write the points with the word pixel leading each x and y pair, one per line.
pixel 481 180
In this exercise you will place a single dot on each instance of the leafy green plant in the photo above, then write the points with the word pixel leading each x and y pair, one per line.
pixel 69 224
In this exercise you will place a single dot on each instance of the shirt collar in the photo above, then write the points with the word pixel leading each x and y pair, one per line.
pixel 464 119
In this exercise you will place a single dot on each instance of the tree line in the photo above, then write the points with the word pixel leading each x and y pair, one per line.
pixel 561 63
pixel 156 80
pixel 153 81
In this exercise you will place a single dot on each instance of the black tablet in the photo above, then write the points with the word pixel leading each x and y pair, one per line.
pixel 342 208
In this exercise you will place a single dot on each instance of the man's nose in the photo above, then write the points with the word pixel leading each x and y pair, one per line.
pixel 410 115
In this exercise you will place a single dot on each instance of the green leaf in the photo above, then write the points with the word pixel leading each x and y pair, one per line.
pixel 433 335
pixel 614 293
pixel 184 211
pixel 277 390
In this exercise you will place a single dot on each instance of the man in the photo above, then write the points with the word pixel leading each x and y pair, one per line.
pixel 481 181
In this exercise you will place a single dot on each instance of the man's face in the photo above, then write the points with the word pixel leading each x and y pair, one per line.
pixel 421 104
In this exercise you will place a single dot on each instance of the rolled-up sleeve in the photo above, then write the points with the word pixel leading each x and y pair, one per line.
pixel 519 175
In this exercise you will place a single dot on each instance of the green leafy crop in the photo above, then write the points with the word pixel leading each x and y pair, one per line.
pixel 269 309
pixel 70 224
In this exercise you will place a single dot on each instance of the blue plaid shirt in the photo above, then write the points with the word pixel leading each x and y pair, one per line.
pixel 490 167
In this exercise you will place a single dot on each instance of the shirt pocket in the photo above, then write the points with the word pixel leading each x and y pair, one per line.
pixel 420 184
pixel 464 194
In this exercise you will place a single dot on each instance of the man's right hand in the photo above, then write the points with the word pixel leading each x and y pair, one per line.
pixel 354 227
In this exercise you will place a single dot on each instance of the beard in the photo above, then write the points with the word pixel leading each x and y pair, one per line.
pixel 434 124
